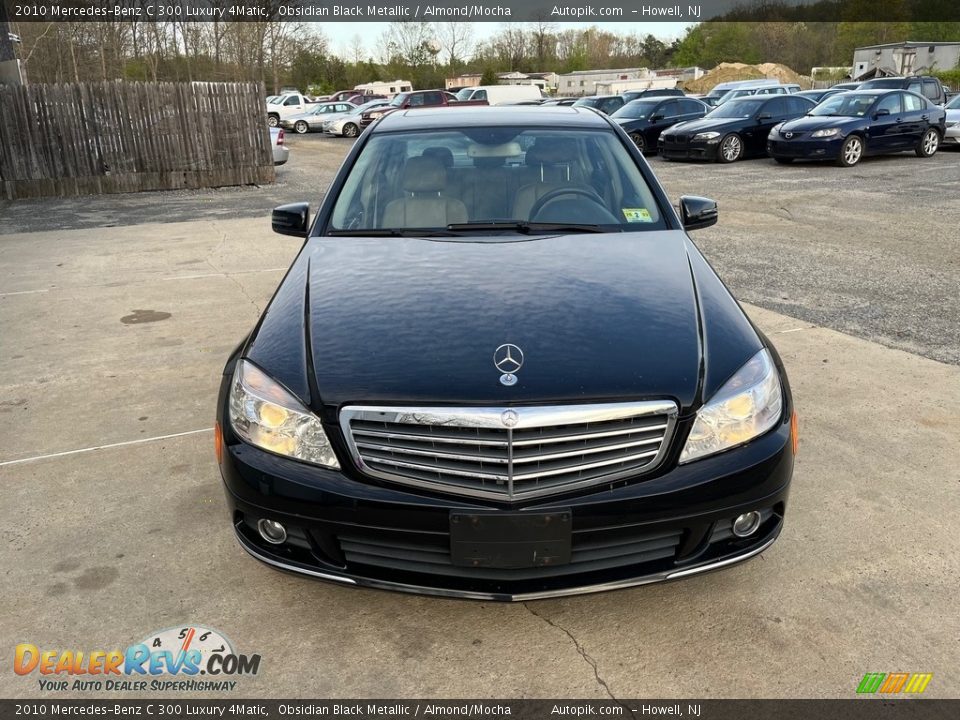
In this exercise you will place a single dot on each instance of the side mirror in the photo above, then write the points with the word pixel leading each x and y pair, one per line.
pixel 698 212
pixel 882 112
pixel 655 118
pixel 292 219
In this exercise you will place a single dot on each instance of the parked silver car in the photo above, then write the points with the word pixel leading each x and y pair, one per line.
pixel 951 137
pixel 349 125
pixel 313 119
pixel 281 153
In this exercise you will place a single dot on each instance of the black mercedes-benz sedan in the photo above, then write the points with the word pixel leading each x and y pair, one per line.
pixel 500 369
pixel 847 127
pixel 736 130
pixel 644 120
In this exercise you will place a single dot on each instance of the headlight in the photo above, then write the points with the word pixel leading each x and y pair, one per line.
pixel 265 414
pixel 776 128
pixel 826 132
pixel 706 136
pixel 748 404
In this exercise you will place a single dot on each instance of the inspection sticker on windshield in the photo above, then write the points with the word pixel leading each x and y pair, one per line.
pixel 637 215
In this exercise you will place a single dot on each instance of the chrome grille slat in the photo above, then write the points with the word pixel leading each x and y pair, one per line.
pixel 468 451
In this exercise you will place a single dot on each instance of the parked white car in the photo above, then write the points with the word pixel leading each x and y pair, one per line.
pixel 281 153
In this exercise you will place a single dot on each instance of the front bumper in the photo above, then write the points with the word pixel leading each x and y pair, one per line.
pixel 809 149
pixel 700 150
pixel 952 135
pixel 359 531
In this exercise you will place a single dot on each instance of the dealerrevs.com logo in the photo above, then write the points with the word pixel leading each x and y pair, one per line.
pixel 176 659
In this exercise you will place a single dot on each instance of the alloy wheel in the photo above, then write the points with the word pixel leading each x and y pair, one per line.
pixel 731 148
pixel 638 141
pixel 931 141
pixel 852 150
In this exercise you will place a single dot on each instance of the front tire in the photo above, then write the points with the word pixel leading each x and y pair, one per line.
pixel 350 130
pixel 851 152
pixel 301 127
pixel 639 142
pixel 928 144
pixel 731 149
pixel 273 120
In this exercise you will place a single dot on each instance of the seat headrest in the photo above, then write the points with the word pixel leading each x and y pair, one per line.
pixel 547 152
pixel 424 174
pixel 443 154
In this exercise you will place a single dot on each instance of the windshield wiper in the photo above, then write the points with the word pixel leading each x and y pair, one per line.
pixel 390 232
pixel 527 227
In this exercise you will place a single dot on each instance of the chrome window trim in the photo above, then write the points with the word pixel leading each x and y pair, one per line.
pixel 490 418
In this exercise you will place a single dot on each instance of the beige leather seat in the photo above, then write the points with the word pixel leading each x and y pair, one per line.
pixel 549 167
pixel 425 179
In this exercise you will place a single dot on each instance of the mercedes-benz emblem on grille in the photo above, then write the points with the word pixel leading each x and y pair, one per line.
pixel 508 359
pixel 509 418
pixel 788 135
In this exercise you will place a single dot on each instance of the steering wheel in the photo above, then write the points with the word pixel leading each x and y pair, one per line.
pixel 549 197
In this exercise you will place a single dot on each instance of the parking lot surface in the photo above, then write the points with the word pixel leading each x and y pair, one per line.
pixel 114 525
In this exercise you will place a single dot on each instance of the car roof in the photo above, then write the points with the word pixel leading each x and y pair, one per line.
pixel 448 118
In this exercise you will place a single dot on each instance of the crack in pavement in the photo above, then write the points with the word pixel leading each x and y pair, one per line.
pixel 243 290
pixel 582 652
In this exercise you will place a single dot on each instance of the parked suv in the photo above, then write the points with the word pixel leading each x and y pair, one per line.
pixel 929 87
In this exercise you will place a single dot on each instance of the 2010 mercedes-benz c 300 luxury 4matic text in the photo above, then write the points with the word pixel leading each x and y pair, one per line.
pixel 500 369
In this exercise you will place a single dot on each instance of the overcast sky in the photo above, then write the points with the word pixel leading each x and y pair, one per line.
pixel 341 34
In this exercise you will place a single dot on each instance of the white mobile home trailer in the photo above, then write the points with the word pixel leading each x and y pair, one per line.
pixel 390 88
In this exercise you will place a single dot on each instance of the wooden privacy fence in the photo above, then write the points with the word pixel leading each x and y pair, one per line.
pixel 108 137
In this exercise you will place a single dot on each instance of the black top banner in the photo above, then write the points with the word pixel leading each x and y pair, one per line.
pixel 599 11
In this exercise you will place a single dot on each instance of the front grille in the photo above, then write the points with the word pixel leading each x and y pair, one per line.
pixel 545 450
pixel 421 553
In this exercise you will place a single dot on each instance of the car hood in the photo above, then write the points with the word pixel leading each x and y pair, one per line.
pixel 692 127
pixel 416 321
pixel 811 123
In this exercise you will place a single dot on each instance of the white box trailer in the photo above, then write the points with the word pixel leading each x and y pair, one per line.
pixel 389 88
pixel 616 87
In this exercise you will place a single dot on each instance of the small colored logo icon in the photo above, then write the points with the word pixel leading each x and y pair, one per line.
pixel 892 683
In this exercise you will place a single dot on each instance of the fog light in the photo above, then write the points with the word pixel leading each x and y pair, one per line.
pixel 273 532
pixel 744 526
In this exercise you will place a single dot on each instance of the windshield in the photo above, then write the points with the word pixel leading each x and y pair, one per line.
pixel 399 100
pixel 954 104
pixel 845 105
pixel 465 94
pixel 522 180
pixel 738 108
pixel 637 110
pixel 366 106
pixel 587 102
pixel 884 84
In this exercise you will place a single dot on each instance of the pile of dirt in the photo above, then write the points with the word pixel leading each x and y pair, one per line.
pixel 729 72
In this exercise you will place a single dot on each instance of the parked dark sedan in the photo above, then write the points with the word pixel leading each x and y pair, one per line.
pixel 737 129
pixel 847 127
pixel 505 373
pixel 644 120
pixel 820 95
pixel 608 104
